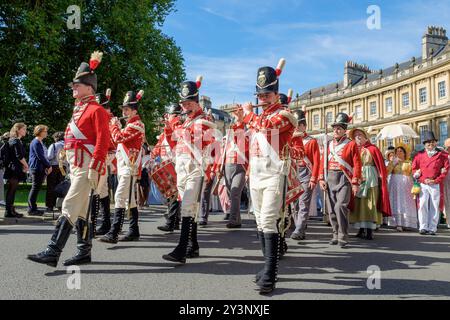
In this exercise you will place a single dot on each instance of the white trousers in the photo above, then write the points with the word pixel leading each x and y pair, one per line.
pixel 266 185
pixel 429 207
pixel 76 202
pixel 124 175
pixel 102 189
pixel 188 184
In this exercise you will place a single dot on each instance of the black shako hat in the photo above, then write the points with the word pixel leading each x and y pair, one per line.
pixel 267 79
pixel 85 73
pixel 190 90
pixel 132 99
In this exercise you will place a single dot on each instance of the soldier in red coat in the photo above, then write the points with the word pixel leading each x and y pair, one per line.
pixel 340 177
pixel 129 141
pixel 271 133
pixel 308 166
pixel 164 151
pixel 86 145
pixel 430 167
pixel 190 144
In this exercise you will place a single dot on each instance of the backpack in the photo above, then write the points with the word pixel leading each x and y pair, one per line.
pixel 4 155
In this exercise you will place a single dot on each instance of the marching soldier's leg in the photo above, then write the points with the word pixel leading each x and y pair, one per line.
pixel 133 231
pixel 237 172
pixel 74 206
pixel 256 199
pixel 121 199
pixel 341 209
pixel 331 204
pixel 304 206
pixel 188 189
pixel 84 243
pixel 104 206
pixel 172 217
pixel 270 215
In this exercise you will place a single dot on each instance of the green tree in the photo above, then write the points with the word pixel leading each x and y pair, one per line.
pixel 40 54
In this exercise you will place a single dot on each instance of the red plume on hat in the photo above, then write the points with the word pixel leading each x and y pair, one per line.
pixel 289 95
pixel 350 117
pixel 108 94
pixel 199 81
pixel 139 95
pixel 280 66
pixel 96 59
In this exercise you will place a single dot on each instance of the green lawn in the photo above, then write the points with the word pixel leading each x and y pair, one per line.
pixel 22 196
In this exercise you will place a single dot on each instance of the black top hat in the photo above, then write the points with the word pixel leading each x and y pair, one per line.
pixel 342 120
pixel 267 78
pixel 428 136
pixel 174 108
pixel 300 115
pixel 85 73
pixel 189 90
pixel 132 99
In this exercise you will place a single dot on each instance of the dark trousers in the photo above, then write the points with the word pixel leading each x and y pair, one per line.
pixel 37 179
pixel 53 179
pixel 235 182
pixel 338 198
pixel 11 188
pixel 206 196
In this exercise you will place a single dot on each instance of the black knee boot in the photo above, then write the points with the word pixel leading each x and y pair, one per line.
pixel 106 217
pixel 361 233
pixel 50 255
pixel 179 253
pixel 133 232
pixel 95 207
pixel 172 217
pixel 84 244
pixel 260 236
pixel 193 249
pixel 113 234
pixel 272 248
pixel 369 234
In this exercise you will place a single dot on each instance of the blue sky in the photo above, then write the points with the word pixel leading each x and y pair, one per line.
pixel 227 40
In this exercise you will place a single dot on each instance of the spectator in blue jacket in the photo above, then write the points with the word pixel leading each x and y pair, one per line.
pixel 39 168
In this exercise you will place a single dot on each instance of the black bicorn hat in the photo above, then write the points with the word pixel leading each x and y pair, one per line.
pixel 174 108
pixel 190 90
pixel 342 120
pixel 86 72
pixel 132 99
pixel 267 79
pixel 104 99
pixel 429 136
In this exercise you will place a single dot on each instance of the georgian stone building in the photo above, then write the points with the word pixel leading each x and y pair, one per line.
pixel 415 92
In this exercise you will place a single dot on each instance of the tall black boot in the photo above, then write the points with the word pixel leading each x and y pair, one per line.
pixel 106 217
pixel 113 234
pixel 50 255
pixel 179 253
pixel 369 234
pixel 193 249
pixel 283 247
pixel 272 244
pixel 171 219
pixel 260 235
pixel 361 234
pixel 133 232
pixel 84 244
pixel 95 207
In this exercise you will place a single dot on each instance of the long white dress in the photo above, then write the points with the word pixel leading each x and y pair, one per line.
pixel 403 205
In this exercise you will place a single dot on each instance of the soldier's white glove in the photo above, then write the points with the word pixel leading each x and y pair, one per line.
pixel 93 177
pixel 417 174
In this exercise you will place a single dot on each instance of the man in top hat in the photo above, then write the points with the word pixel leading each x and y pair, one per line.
pixel 271 134
pixel 430 167
pixel 308 166
pixel 102 199
pixel 164 151
pixel 343 166
pixel 86 145
pixel 190 143
pixel 129 141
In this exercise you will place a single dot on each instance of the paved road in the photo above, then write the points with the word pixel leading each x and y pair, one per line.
pixel 412 266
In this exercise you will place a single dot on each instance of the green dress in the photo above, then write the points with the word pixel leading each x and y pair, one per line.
pixel 365 213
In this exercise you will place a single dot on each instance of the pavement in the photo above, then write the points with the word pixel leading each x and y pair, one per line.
pixel 393 266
